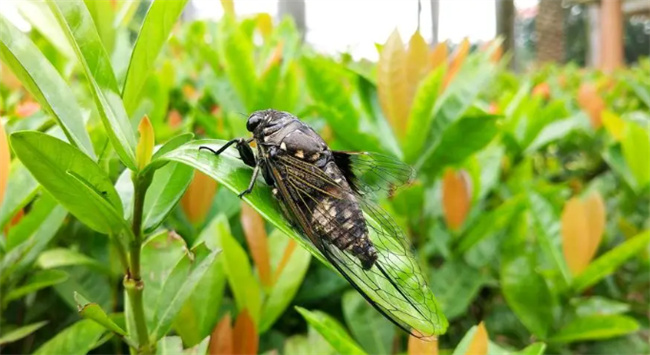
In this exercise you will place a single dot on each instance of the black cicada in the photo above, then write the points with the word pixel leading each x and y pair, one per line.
pixel 325 195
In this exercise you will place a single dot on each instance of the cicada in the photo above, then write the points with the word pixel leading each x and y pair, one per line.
pixel 328 197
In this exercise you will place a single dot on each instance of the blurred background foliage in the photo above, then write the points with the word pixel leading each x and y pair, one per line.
pixel 529 214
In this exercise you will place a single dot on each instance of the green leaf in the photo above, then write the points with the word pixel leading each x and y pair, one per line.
pixel 533 349
pixel 456 284
pixel 74 180
pixel 78 338
pixel 547 226
pixel 595 328
pixel 236 57
pixel 374 332
pixel 23 188
pixel 636 150
pixel 43 81
pixel 230 171
pixel 157 25
pixel 169 345
pixel 37 281
pixel 457 142
pixel 19 333
pixel 286 285
pixel 244 285
pixel 199 315
pixel 77 23
pixel 527 294
pixel 332 331
pixel 103 16
pixel 463 346
pixel 169 146
pixel 557 130
pixel 59 257
pixel 596 305
pixel 31 222
pixel 422 111
pixel 167 187
pixel 610 261
pixel 179 286
pixel 94 312
pixel 473 77
pixel 40 16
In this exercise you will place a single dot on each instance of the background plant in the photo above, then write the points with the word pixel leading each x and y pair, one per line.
pixel 529 213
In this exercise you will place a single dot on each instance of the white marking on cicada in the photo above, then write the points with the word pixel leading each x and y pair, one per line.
pixel 347 214
pixel 348 225
pixel 283 146
pixel 315 156
pixel 299 154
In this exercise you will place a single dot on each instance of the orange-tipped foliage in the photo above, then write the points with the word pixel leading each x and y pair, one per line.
pixel 456 197
pixel 542 90
pixel 392 83
pixel 422 346
pixel 144 150
pixel 221 339
pixel 479 344
pixel 198 197
pixel 457 61
pixel 286 256
pixel 591 102
pixel 14 220
pixel 417 64
pixel 27 108
pixel 257 240
pixel 438 55
pixel 5 158
pixel 174 119
pixel 583 225
pixel 245 339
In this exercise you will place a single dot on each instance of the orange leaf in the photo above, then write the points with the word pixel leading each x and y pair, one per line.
pixel 5 160
pixel 583 224
pixel 245 339
pixel 458 59
pixel 288 251
pixel 14 220
pixel 27 108
pixel 592 103
pixel 422 346
pixel 174 119
pixel 392 83
pixel 417 64
pixel 438 55
pixel 257 240
pixel 275 58
pixel 542 90
pixel 198 197
pixel 456 197
pixel 479 344
pixel 221 339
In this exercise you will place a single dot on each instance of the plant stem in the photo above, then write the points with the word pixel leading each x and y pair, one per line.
pixel 133 281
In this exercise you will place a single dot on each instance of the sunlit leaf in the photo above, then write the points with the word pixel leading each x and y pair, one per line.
pixel 392 83
pixel 456 197
pixel 636 150
pixel 257 240
pixel 614 124
pixel 78 338
pixel 416 63
pixel 595 328
pixel 457 60
pixel 332 331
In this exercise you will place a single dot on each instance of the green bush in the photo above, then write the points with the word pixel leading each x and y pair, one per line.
pixel 528 216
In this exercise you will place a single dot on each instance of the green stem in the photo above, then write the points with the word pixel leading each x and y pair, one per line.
pixel 133 282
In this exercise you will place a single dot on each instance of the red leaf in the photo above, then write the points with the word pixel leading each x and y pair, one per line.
pixel 257 240
pixel 245 338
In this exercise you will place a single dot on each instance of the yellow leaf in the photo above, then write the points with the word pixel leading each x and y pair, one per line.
pixel 392 83
pixel 583 224
pixel 256 238
pixel 198 197
pixel 438 55
pixel 144 149
pixel 245 339
pixel 417 64
pixel 221 339
pixel 479 344
pixel 614 124
pixel 5 158
pixel 228 7
pixel 456 198
pixel 458 59
pixel 264 24
pixel 422 346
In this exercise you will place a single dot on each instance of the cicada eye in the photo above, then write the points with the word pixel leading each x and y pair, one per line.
pixel 253 121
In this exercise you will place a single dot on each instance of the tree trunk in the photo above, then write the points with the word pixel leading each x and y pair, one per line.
pixel 505 11
pixel 295 9
pixel 550 31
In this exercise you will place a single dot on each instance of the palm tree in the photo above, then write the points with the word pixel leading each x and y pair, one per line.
pixel 549 27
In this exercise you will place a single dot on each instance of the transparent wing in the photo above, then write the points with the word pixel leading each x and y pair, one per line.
pixel 368 172
pixel 394 285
